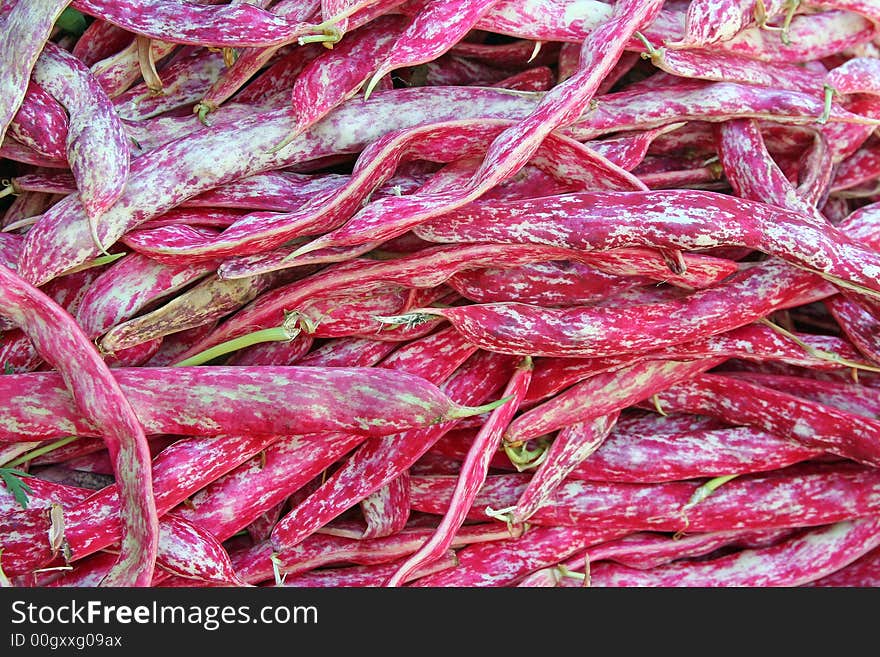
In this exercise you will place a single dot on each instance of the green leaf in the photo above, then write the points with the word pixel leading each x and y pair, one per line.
pixel 72 22
pixel 13 480
pixel 8 368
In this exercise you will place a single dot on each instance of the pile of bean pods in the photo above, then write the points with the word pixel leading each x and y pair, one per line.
pixel 440 293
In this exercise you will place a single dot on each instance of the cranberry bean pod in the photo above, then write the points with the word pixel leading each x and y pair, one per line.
pixel 254 564
pixel 184 80
pixel 365 576
pixel 97 146
pixel 379 461
pixel 863 572
pixel 209 158
pixel 645 457
pixel 97 395
pixel 234 25
pixel 809 423
pixel 794 497
pixel 511 149
pixel 25 30
pixel 708 22
pixel 793 562
pixel 178 471
pixel 279 400
pixel 432 32
pixel 571 446
pixel 128 285
pixel 473 474
pixel 599 331
pixel 41 124
pixel 602 395
pixel 503 562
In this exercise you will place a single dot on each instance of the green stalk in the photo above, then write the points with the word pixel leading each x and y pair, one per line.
pixel 39 451
pixel 274 334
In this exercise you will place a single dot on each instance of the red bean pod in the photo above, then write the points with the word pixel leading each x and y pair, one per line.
pixel 798 496
pixel 24 32
pixel 793 562
pixel 373 465
pixel 165 401
pixel 809 423
pixel 96 394
pixel 236 25
pixel 473 474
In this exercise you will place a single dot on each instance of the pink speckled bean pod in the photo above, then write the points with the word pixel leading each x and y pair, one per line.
pixel 721 66
pixel 646 457
pixel 348 352
pixel 607 330
pixel 95 394
pixel 205 302
pixel 708 22
pixel 471 478
pixel 386 510
pixel 117 72
pixel 251 60
pixel 97 146
pixel 272 190
pixel 793 562
pixel 752 341
pixel 553 283
pixel 565 158
pixel 810 37
pixel 272 353
pixel 127 286
pixel 185 550
pixel 511 149
pixel 233 25
pixel 209 158
pixel 753 173
pixel 858 75
pixel 860 167
pixel 863 572
pixel 430 34
pixel 857 323
pixel 275 80
pixel 539 78
pixel 41 124
pixel 348 64
pixel 502 563
pixel 646 550
pixel 24 32
pixel 184 80
pixel 234 500
pixel 291 463
pixel 99 41
pixel 684 219
pixel 866 8
pixel 712 102
pixel 602 395
pixel 799 496
pixel 365 576
pixel 253 564
pixel 424 269
pixel 808 423
pixel 572 445
pixel 376 462
pixel 851 397
pixel 68 291
pixel 565 20
pixel 643 550
pixel 178 471
pixel 327 399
